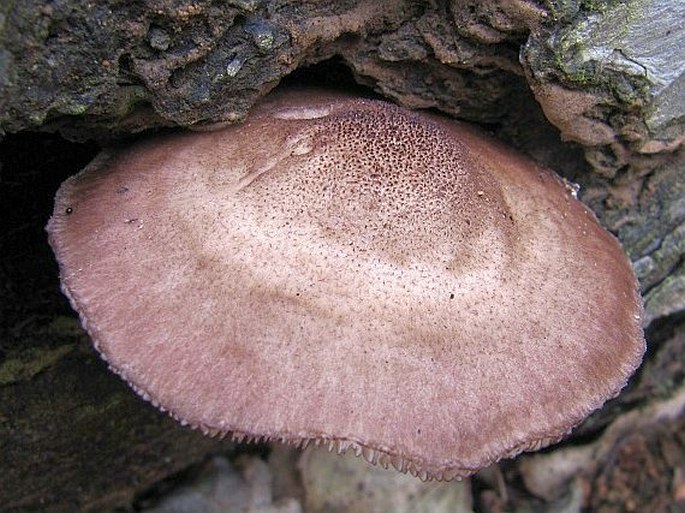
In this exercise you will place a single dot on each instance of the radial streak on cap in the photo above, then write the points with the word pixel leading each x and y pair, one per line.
pixel 345 270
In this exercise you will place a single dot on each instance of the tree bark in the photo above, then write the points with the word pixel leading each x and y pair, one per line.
pixel 594 90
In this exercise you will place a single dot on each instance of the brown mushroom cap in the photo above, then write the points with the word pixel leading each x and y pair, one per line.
pixel 345 270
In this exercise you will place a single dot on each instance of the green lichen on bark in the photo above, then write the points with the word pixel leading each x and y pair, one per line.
pixel 74 437
pixel 24 366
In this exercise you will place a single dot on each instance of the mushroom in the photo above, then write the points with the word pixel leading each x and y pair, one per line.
pixel 349 272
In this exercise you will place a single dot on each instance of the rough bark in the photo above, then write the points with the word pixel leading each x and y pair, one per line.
pixel 593 89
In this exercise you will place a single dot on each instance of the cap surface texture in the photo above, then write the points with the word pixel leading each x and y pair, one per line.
pixel 346 270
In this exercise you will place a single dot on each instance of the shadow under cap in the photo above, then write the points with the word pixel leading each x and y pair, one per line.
pixel 346 271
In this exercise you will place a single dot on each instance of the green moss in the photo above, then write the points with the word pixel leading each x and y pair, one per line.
pixel 91 413
pixel 668 297
pixel 63 335
pixel 63 326
pixel 25 365
pixel 5 10
pixel 126 98
pixel 599 6
pixel 588 52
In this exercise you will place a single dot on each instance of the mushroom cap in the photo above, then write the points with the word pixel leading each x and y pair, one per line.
pixel 348 271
